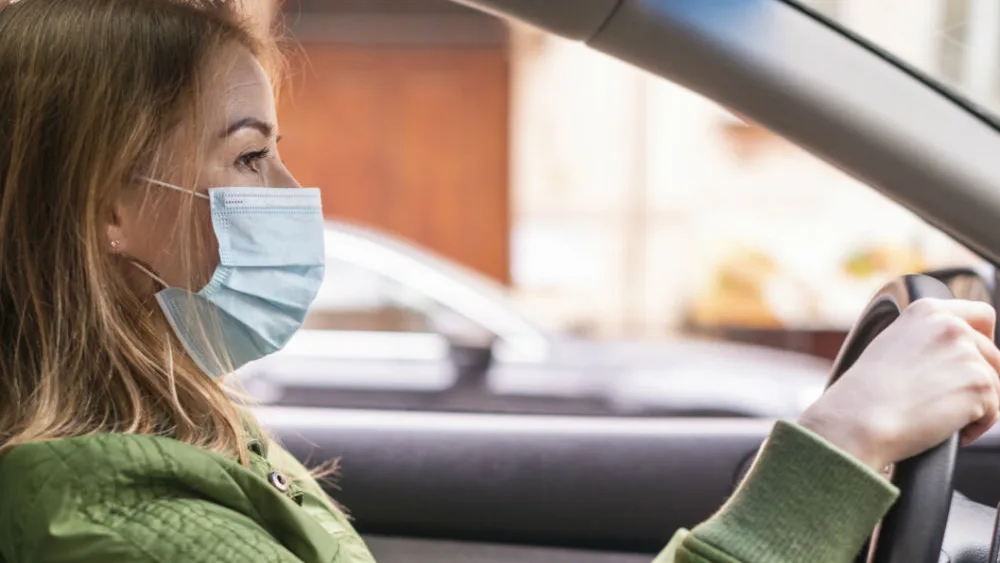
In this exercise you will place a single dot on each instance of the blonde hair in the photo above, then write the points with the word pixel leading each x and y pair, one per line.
pixel 91 90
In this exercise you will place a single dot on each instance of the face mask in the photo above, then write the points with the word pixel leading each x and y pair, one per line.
pixel 271 260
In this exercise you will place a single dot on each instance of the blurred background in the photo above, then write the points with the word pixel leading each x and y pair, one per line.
pixel 518 207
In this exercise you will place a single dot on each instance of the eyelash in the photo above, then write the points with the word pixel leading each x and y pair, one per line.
pixel 248 160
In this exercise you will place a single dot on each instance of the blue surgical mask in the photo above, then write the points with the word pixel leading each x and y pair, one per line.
pixel 271 260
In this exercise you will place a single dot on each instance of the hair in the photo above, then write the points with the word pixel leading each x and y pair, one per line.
pixel 90 91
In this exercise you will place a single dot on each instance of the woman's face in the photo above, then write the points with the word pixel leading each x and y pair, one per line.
pixel 238 147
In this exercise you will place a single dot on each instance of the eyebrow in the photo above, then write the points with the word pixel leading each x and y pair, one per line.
pixel 265 129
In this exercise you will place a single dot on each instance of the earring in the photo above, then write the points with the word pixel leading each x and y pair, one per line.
pixel 115 245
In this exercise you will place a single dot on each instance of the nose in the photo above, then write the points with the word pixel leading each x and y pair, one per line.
pixel 282 177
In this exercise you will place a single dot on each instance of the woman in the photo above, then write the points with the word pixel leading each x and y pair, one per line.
pixel 151 241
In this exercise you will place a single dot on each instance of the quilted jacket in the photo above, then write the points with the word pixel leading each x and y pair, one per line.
pixel 139 499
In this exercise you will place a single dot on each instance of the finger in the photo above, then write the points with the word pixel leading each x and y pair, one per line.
pixel 975 431
pixel 988 349
pixel 982 317
pixel 990 402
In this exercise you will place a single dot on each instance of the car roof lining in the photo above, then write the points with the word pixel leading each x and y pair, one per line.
pixel 824 89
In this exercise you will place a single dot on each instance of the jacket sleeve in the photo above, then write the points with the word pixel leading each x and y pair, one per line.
pixel 803 500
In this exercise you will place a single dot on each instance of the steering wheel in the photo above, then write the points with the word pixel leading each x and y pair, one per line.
pixel 913 530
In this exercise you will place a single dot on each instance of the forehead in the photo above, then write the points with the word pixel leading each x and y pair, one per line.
pixel 238 87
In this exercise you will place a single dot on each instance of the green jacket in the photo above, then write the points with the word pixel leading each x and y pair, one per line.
pixel 136 499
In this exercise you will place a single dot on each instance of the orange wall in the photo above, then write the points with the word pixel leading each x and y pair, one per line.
pixel 409 140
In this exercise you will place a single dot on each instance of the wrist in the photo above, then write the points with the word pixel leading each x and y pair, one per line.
pixel 851 437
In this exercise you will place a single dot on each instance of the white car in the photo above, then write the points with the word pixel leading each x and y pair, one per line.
pixel 395 326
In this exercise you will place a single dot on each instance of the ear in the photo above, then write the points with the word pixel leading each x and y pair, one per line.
pixel 115 230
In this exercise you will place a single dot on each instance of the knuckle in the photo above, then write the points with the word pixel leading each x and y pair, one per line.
pixel 978 412
pixel 983 382
pixel 985 400
pixel 987 407
pixel 949 327
pixel 924 307
pixel 976 370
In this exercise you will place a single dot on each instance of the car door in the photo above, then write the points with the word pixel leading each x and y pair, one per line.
pixel 431 486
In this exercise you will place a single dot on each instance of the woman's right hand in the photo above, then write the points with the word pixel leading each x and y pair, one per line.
pixel 931 373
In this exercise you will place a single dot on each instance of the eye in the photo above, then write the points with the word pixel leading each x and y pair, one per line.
pixel 250 161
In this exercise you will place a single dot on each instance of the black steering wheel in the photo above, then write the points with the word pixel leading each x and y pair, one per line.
pixel 913 530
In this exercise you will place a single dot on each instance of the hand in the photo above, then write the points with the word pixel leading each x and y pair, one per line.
pixel 931 373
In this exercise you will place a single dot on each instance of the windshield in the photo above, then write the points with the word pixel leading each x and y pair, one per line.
pixel 954 42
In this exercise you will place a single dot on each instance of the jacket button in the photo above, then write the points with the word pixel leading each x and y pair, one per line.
pixel 278 481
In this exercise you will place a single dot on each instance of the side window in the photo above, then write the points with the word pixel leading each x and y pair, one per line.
pixel 952 41
pixel 828 8
pixel 635 229
pixel 355 298
pixel 969 57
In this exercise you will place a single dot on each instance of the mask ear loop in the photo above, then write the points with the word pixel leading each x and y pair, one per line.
pixel 173 187
pixel 159 280
pixel 170 346
pixel 150 273
pixel 155 182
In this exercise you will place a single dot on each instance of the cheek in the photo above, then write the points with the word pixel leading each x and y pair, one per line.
pixel 204 246
pixel 176 239
pixel 152 237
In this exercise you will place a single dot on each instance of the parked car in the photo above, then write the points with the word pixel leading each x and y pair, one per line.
pixel 395 326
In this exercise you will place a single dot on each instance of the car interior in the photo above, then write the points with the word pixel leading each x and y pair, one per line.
pixel 453 486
